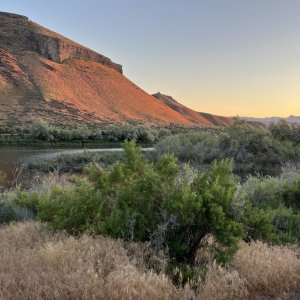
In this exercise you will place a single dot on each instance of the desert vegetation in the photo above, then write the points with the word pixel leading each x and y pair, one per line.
pixel 41 132
pixel 119 194
pixel 153 228
pixel 253 149
pixel 37 263
pixel 74 162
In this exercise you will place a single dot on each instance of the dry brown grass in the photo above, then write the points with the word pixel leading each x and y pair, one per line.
pixel 37 264
pixel 222 284
pixel 258 271
pixel 269 271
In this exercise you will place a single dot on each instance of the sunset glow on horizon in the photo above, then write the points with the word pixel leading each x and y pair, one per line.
pixel 222 57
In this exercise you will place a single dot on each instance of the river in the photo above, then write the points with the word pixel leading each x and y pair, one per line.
pixel 14 158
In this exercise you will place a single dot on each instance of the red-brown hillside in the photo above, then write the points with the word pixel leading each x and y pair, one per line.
pixel 192 115
pixel 45 75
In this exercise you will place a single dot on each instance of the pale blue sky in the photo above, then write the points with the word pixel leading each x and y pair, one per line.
pixel 230 57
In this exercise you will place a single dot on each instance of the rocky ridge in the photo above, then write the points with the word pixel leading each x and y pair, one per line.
pixel 45 42
pixel 46 75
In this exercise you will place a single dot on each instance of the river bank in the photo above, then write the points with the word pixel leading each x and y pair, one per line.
pixel 18 161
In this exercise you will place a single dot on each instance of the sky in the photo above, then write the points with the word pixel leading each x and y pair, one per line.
pixel 226 57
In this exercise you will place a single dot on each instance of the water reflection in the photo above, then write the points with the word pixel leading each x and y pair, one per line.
pixel 14 159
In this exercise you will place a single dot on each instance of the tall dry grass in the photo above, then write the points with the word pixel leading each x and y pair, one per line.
pixel 269 271
pixel 38 264
pixel 35 264
pixel 258 271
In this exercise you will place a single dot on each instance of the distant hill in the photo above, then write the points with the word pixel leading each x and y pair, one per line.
pixel 192 115
pixel 46 75
pixel 267 121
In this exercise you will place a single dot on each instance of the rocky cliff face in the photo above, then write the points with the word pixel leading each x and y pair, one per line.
pixel 46 75
pixel 20 34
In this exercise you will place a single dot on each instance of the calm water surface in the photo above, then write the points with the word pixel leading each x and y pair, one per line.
pixel 14 157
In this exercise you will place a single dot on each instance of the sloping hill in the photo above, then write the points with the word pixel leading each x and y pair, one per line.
pixel 45 75
pixel 268 121
pixel 192 115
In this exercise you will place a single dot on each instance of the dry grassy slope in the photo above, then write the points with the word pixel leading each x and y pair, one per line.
pixel 38 264
pixel 43 74
pixel 194 116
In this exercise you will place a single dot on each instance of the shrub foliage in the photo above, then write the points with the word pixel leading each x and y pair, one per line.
pixel 139 200
pixel 173 207
pixel 253 150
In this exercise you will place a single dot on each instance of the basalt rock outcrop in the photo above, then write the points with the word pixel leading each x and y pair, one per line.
pixel 19 34
pixel 46 75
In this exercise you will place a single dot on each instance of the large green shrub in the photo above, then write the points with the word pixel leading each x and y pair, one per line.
pixel 205 207
pixel 173 207
pixel 144 201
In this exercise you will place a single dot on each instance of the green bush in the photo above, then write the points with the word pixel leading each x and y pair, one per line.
pixel 41 130
pixel 13 210
pixel 143 201
pixel 7 213
pixel 74 162
pixel 205 207
pixel 71 209
pixel 254 150
pixel 175 208
pixel 201 147
pixel 284 131
pixel 273 210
